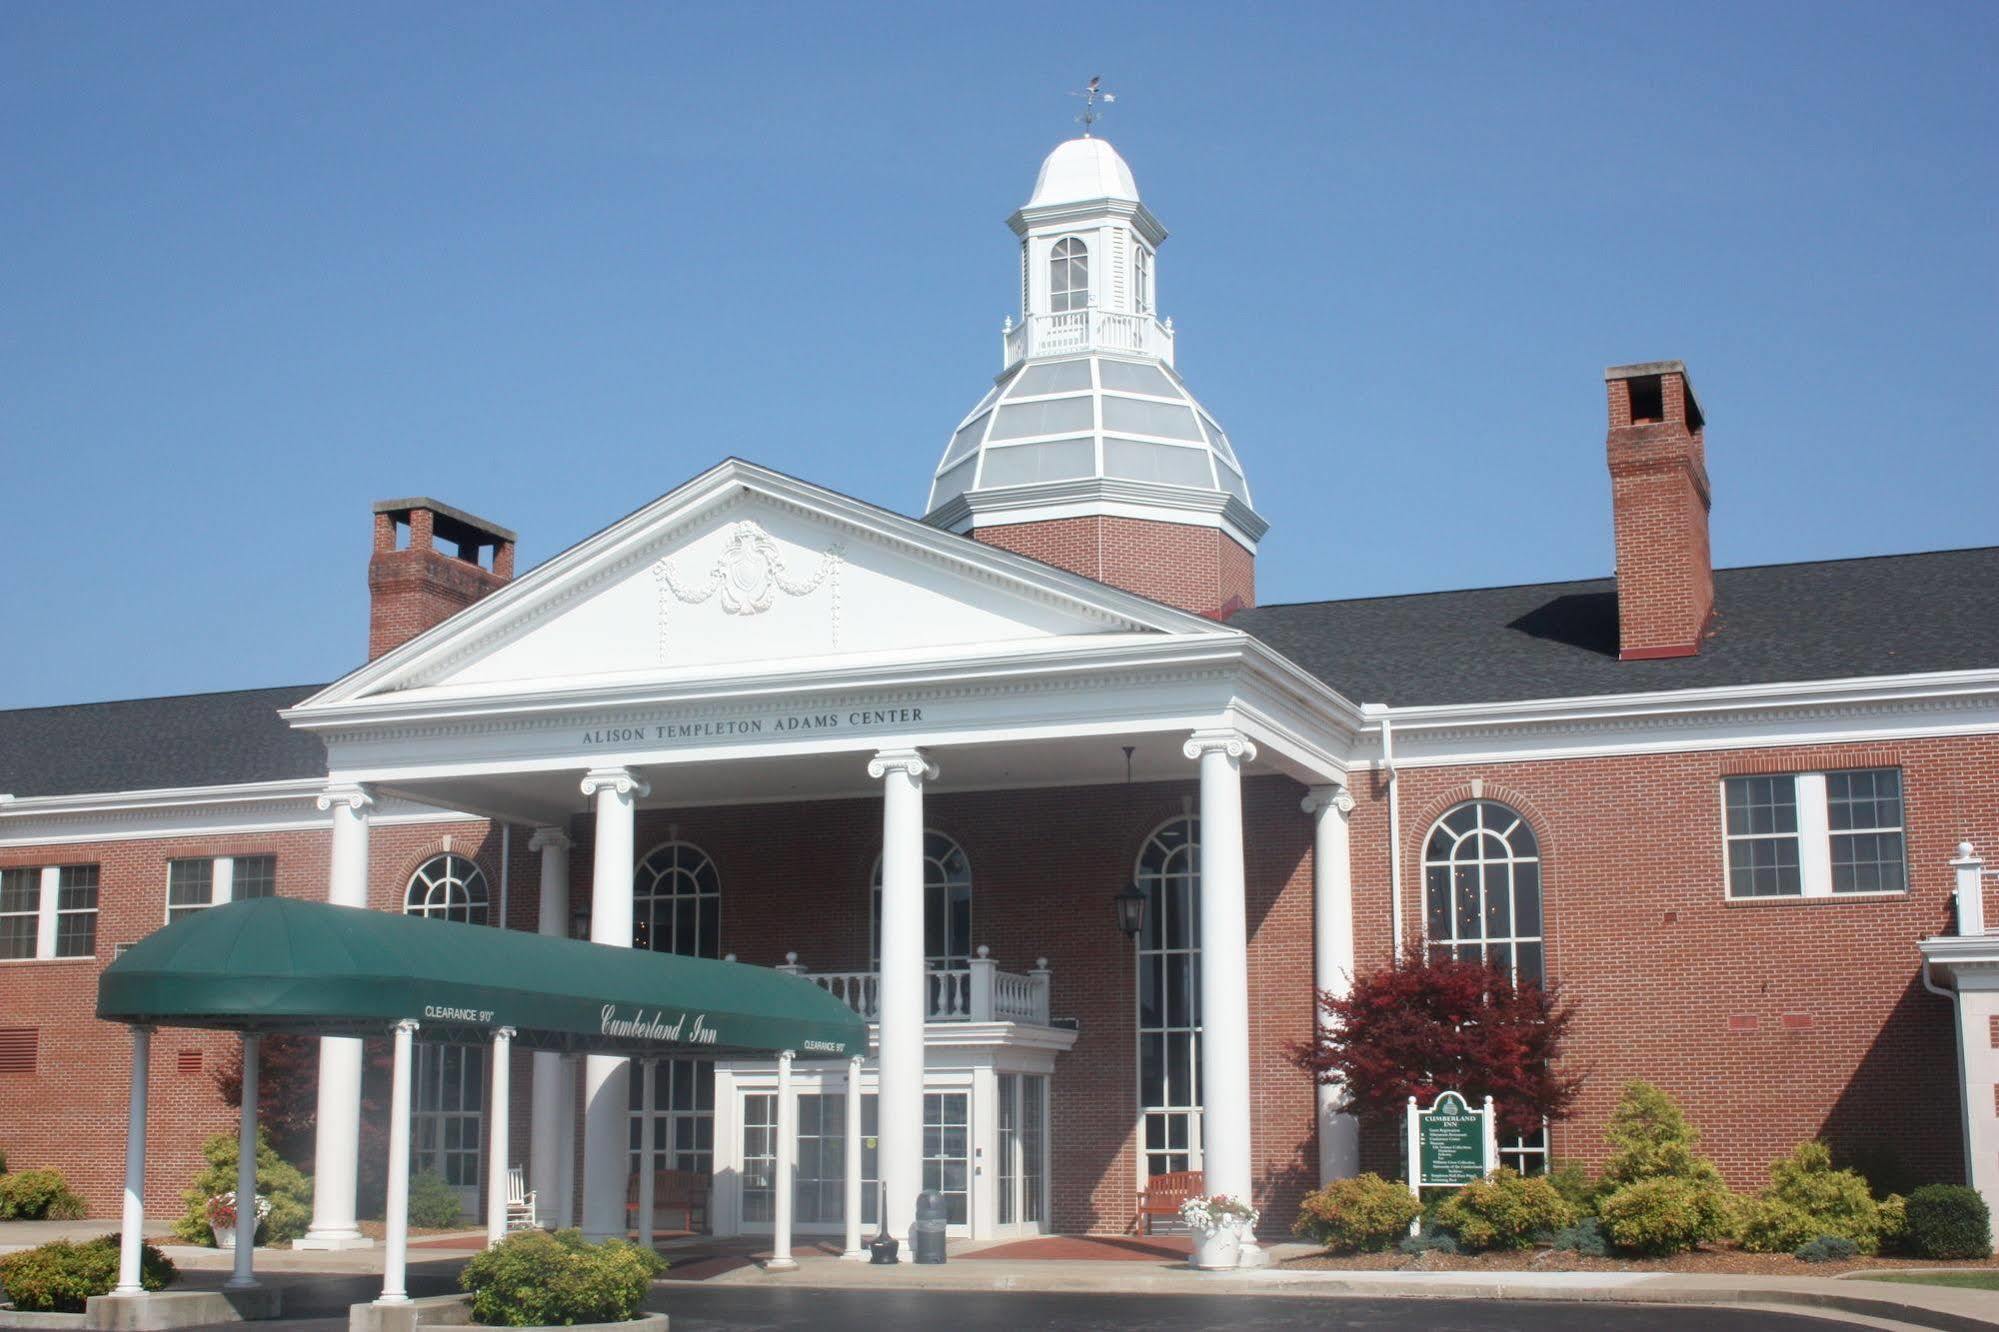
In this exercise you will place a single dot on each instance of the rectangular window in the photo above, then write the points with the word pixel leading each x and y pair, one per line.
pixel 190 887
pixel 255 876
pixel 759 1155
pixel 76 911
pixel 20 912
pixel 1814 834
pixel 947 1151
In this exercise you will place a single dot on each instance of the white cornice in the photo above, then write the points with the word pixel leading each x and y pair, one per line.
pixel 191 811
pixel 1088 496
pixel 1859 710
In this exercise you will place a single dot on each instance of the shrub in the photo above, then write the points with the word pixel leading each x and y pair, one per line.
pixel 1651 1139
pixel 1894 1222
pixel 1505 1211
pixel 1808 1198
pixel 3 1160
pixel 1664 1215
pixel 1827 1249
pixel 1571 1179
pixel 1365 1214
pixel 1429 1241
pixel 59 1277
pixel 288 1191
pixel 433 1202
pixel 534 1279
pixel 1947 1221
pixel 1585 1237
pixel 38 1195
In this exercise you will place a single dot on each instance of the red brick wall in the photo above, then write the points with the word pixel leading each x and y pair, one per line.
pixel 1199 569
pixel 1659 501
pixel 1771 1022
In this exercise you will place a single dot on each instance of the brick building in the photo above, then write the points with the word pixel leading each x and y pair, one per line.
pixel 1728 810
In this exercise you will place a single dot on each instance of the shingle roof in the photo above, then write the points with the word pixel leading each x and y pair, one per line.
pixel 144 744
pixel 1886 615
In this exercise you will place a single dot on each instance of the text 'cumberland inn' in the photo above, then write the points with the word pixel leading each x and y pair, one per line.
pixel 731 726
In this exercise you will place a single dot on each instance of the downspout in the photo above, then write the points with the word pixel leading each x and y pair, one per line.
pixel 506 854
pixel 1394 841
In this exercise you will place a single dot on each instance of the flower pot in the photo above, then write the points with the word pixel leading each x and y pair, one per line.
pixel 225 1236
pixel 1218 1249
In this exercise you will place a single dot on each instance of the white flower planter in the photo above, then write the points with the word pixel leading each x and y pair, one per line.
pixel 1217 1250
pixel 225 1236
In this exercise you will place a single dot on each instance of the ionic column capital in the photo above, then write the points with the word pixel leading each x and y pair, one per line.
pixel 1224 741
pixel 352 797
pixel 910 762
pixel 1334 796
pixel 621 780
pixel 405 1024
pixel 549 839
pixel 504 1033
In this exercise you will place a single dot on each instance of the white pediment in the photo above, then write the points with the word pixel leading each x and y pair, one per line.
pixel 744 568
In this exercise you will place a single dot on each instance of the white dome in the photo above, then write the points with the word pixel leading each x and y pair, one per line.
pixel 1086 419
pixel 1082 170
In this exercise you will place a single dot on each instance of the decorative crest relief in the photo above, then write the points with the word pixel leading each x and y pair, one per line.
pixel 746 579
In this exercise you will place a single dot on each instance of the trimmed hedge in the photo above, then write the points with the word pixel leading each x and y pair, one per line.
pixel 1662 1216
pixel 1807 1198
pixel 1947 1221
pixel 1365 1214
pixel 534 1279
pixel 60 1277
pixel 38 1195
pixel 1505 1211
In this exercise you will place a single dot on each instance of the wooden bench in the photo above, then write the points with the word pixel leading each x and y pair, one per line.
pixel 673 1191
pixel 1163 1194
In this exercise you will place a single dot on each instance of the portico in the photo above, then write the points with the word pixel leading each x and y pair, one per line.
pixel 834 653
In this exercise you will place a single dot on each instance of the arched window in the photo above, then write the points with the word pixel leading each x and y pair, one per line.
pixel 449 887
pixel 677 902
pixel 1482 902
pixel 1069 275
pixel 1482 889
pixel 1169 997
pixel 947 904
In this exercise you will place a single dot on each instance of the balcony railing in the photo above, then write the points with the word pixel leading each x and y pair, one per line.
pixel 976 992
pixel 1087 330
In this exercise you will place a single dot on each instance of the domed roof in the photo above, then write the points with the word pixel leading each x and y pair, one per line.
pixel 1086 419
pixel 1082 170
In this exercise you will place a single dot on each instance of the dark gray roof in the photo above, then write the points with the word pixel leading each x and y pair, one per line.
pixel 1886 615
pixel 144 744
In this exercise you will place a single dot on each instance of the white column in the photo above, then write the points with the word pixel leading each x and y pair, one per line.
pixel 131 1228
pixel 1224 968
pixel 899 1107
pixel 395 1261
pixel 1332 961
pixel 851 1203
pixel 647 1076
pixel 496 1154
pixel 554 1088
pixel 607 1078
pixel 245 1276
pixel 337 1137
pixel 565 1195
pixel 781 1185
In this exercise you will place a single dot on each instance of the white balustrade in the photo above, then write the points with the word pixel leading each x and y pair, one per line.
pixel 978 992
pixel 1970 890
pixel 1087 330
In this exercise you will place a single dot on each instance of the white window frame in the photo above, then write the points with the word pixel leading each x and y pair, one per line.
pixel 935 880
pixel 221 885
pixel 1059 261
pixel 1814 837
pixel 1154 883
pixel 474 911
pixel 1141 278
pixel 48 913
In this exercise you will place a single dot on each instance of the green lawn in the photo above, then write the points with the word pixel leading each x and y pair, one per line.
pixel 1985 1280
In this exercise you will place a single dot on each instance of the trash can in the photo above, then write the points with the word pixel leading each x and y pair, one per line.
pixel 926 1236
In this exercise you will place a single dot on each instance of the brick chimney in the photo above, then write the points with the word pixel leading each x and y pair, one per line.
pixel 1659 499
pixel 413 584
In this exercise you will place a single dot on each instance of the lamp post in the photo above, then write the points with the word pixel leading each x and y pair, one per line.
pixel 1130 906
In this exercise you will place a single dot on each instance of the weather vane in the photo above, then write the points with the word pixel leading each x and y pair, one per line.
pixel 1092 96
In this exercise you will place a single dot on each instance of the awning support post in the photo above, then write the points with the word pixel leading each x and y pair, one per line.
pixel 131 1229
pixel 642 1222
pixel 395 1261
pixel 496 1155
pixel 565 1195
pixel 245 1276
pixel 851 1204
pixel 786 1151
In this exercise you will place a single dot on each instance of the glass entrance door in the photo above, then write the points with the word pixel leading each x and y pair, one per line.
pixel 1022 1142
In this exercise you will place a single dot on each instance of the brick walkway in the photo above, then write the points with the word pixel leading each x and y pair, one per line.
pixel 1098 1248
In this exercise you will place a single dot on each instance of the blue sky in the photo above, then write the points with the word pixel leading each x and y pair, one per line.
pixel 268 263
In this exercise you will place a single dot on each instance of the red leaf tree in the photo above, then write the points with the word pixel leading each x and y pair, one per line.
pixel 1427 1027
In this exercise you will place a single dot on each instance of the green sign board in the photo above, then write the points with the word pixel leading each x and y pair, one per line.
pixel 1450 1142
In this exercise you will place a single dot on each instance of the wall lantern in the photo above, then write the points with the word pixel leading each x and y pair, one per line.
pixel 1130 910
pixel 579 923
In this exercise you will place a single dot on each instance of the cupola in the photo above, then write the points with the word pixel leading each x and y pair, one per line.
pixel 1089 451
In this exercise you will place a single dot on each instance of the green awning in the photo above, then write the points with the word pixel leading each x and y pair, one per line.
pixel 275 964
